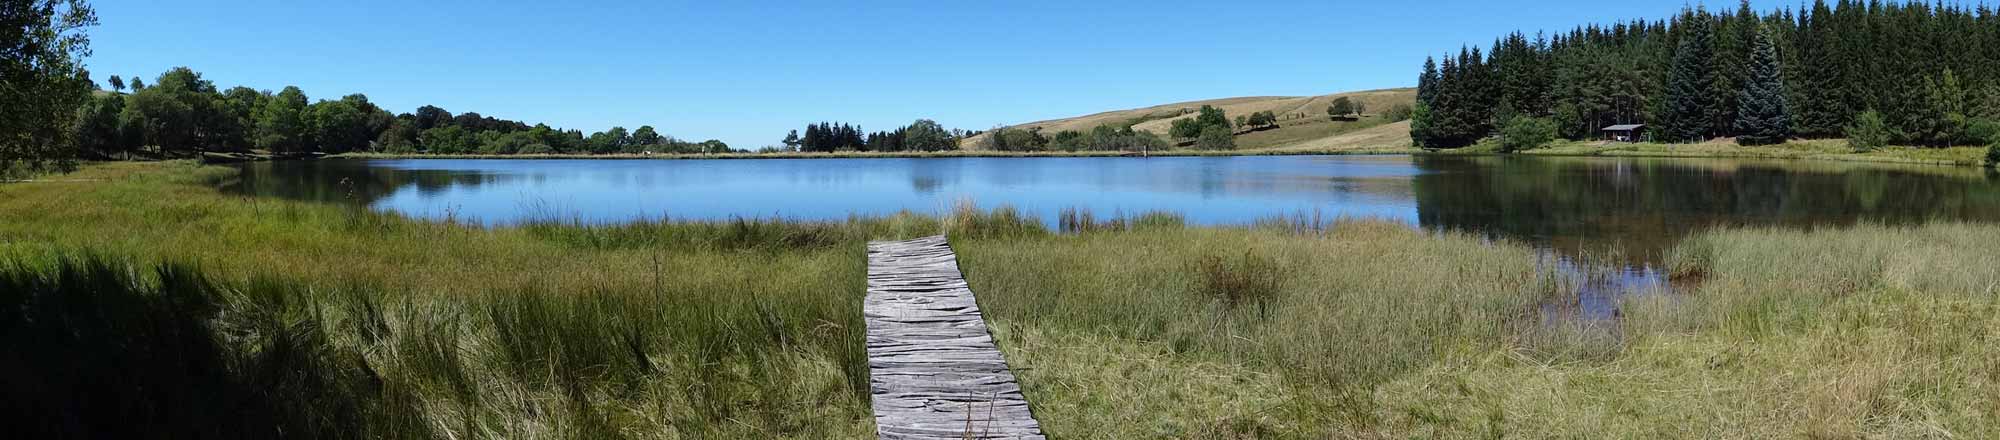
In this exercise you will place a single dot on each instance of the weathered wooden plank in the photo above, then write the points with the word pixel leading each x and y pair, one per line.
pixel 934 371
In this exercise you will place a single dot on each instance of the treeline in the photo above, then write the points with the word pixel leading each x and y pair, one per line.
pixel 181 113
pixel 1929 73
pixel 1100 138
pixel 826 137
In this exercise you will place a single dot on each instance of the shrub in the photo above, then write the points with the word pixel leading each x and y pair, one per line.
pixel 1216 137
pixel 1993 154
pixel 1525 133
pixel 1869 132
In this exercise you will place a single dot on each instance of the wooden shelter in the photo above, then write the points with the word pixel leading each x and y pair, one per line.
pixel 1624 132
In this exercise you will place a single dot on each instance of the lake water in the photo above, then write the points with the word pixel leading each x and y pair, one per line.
pixel 1571 206
pixel 1638 205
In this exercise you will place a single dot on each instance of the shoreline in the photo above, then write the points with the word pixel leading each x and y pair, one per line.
pixel 1818 150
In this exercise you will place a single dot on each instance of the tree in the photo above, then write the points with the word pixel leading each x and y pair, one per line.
pixel 1526 133
pixel 448 139
pixel 1762 117
pixel 792 141
pixel 1943 111
pixel 430 116
pixel 97 126
pixel 927 135
pixel 283 124
pixel 117 84
pixel 1690 104
pixel 400 137
pixel 1869 132
pixel 339 126
pixel 1184 128
pixel 645 135
pixel 42 82
pixel 137 85
pixel 1215 137
pixel 1212 116
pixel 1341 107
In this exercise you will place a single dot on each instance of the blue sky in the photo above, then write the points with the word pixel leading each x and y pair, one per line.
pixel 745 72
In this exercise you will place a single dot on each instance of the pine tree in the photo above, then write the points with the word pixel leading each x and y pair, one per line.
pixel 1762 117
pixel 1689 104
pixel 1427 82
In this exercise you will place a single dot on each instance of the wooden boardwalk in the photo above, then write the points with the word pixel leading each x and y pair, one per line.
pixel 934 371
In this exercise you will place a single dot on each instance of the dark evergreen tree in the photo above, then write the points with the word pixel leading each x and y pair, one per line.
pixel 1690 104
pixel 1762 117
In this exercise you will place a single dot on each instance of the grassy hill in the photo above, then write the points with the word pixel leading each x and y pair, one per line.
pixel 1302 121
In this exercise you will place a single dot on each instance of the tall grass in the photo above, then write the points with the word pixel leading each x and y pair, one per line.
pixel 325 321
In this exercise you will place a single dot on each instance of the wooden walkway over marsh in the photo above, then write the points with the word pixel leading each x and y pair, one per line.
pixel 934 371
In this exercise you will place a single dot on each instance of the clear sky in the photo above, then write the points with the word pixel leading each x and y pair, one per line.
pixel 746 72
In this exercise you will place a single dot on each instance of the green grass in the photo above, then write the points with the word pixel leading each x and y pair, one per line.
pixel 1828 149
pixel 143 302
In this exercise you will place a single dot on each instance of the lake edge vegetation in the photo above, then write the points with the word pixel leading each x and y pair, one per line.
pixel 668 328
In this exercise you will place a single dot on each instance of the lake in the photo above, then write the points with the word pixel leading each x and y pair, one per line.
pixel 1639 206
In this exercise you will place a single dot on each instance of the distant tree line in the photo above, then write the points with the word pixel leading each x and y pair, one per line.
pixel 921 135
pixel 1106 137
pixel 183 113
pixel 1929 73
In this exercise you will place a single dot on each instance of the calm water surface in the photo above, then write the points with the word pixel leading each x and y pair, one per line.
pixel 1637 205
pixel 1572 206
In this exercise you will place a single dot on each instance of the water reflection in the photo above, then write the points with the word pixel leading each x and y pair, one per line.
pixel 1636 208
pixel 1612 209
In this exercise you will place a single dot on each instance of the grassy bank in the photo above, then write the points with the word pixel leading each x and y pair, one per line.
pixel 327 321
pixel 1829 149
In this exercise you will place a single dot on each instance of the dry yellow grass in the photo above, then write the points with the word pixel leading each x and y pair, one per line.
pixel 1156 119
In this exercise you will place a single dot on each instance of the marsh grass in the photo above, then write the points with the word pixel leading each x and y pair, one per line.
pixel 251 316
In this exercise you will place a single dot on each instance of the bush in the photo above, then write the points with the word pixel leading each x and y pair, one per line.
pixel 1526 133
pixel 1869 132
pixel 1993 154
pixel 1982 130
pixel 1215 137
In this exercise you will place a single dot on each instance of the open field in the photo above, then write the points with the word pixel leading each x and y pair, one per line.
pixel 335 322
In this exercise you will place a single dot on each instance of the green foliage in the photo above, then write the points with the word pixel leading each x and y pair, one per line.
pixel 1208 116
pixel 1762 118
pixel 1107 138
pixel 1869 132
pixel 1526 133
pixel 1015 139
pixel 1690 102
pixel 1215 137
pixel 449 139
pixel 284 124
pixel 1993 154
pixel 43 82
pixel 927 135
pixel 1341 107
pixel 1689 77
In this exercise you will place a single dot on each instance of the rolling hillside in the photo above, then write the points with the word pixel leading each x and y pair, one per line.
pixel 1302 121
